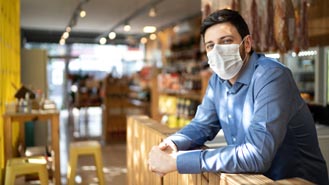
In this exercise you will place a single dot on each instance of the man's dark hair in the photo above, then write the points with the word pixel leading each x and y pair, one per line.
pixel 225 15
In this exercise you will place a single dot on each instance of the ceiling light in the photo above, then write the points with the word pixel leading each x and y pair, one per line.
pixel 66 35
pixel 149 29
pixel 68 29
pixel 153 36
pixel 62 41
pixel 112 35
pixel 143 40
pixel 127 27
pixel 83 13
pixel 152 12
pixel 102 40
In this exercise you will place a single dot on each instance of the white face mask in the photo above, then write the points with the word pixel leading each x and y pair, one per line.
pixel 225 60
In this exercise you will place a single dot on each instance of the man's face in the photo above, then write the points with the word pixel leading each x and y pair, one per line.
pixel 226 33
pixel 222 33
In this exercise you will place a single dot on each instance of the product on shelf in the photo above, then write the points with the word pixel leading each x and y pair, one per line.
pixel 177 112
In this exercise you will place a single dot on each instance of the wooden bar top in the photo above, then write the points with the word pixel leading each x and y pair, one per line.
pixel 33 115
pixel 143 133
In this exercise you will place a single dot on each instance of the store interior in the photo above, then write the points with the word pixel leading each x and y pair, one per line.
pixel 78 59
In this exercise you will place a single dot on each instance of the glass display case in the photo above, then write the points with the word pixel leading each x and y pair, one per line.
pixel 309 69
pixel 302 66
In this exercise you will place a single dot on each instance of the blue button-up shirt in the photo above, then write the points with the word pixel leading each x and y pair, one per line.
pixel 267 126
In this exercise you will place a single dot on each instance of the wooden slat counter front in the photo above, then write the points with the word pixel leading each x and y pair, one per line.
pixel 21 118
pixel 143 133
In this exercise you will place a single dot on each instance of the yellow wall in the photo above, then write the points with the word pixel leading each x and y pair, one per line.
pixel 9 60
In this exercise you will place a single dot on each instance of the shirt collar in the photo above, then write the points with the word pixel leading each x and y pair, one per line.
pixel 248 71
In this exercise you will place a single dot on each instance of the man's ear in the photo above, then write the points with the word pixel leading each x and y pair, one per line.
pixel 248 44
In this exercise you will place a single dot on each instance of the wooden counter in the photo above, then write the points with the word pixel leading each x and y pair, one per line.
pixel 142 134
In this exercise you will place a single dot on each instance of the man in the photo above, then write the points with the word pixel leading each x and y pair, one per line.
pixel 255 101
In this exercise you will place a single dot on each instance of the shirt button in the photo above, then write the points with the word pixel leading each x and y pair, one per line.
pixel 229 116
pixel 234 139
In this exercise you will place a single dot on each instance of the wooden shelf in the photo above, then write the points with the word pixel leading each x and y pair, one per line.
pixel 195 95
pixel 114 104
pixel 139 103
pixel 121 99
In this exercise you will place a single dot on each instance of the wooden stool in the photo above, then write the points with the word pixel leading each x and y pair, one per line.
pixel 85 148
pixel 25 166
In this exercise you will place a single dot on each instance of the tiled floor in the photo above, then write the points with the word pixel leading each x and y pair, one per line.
pixel 86 124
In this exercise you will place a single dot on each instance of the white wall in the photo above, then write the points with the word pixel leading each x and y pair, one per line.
pixel 34 75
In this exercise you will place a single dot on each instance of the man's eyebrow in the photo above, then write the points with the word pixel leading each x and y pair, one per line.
pixel 221 38
pixel 225 36
pixel 208 42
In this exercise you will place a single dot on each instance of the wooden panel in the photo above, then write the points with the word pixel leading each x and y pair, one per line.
pixel 117 124
pixel 292 181
pixel 318 28
pixel 137 149
pixel 205 178
pixel 214 178
pixel 237 179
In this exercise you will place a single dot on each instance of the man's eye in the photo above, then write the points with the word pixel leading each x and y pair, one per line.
pixel 228 41
pixel 209 47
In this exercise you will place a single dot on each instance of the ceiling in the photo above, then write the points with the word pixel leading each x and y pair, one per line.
pixel 46 20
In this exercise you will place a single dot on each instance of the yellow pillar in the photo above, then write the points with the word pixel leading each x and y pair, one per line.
pixel 9 61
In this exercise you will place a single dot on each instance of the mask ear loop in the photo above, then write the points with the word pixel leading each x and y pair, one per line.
pixel 245 57
pixel 243 40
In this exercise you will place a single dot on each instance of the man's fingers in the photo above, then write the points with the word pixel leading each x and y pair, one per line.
pixel 163 145
pixel 160 160
pixel 167 145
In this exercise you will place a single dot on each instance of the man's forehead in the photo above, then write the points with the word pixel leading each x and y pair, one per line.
pixel 222 28
pixel 221 31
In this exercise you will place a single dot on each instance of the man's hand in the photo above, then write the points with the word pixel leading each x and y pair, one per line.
pixel 161 161
pixel 168 146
